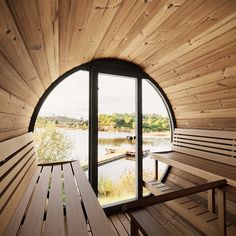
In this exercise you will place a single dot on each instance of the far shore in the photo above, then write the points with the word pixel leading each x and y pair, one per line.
pixel 152 133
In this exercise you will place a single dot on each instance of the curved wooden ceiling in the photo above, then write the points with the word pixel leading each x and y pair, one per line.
pixel 187 46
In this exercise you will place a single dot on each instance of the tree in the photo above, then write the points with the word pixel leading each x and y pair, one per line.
pixel 52 144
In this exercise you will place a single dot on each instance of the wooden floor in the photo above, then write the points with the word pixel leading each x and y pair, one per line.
pixel 172 222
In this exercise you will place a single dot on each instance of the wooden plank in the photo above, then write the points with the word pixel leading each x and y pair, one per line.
pixel 207 133
pixel 16 170
pixel 34 216
pixel 118 225
pixel 12 204
pixel 155 14
pixel 12 105
pixel 13 122
pixel 12 188
pixel 13 48
pixel 99 223
pixel 124 10
pixel 54 224
pixel 147 224
pixel 76 223
pixel 215 140
pixel 207 155
pixel 10 146
pixel 221 200
pixel 49 22
pixel 201 44
pixel 16 219
pixel 193 146
pixel 27 20
pixel 6 135
pixel 6 166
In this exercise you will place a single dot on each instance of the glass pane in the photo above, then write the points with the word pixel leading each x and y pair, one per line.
pixel 62 124
pixel 156 129
pixel 116 137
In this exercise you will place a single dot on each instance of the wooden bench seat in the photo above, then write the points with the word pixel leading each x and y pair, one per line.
pixel 52 199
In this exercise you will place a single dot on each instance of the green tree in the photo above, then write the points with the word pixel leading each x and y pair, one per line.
pixel 52 144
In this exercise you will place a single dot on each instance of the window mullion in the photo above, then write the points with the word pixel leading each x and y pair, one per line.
pixel 139 140
pixel 93 129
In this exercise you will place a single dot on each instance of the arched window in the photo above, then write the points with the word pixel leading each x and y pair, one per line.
pixel 110 115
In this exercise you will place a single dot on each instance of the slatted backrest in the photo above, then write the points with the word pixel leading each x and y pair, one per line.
pixel 18 162
pixel 219 146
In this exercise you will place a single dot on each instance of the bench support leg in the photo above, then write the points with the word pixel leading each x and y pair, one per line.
pixel 134 228
pixel 221 211
pixel 211 200
pixel 156 169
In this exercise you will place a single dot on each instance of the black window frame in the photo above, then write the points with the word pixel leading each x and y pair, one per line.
pixel 114 67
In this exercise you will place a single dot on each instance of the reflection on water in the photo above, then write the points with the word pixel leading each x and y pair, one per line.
pixel 115 141
pixel 118 139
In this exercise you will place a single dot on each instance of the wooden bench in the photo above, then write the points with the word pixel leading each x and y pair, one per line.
pixel 145 219
pixel 210 155
pixel 206 153
pixel 52 199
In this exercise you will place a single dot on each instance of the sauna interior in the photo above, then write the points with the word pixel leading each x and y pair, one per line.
pixel 187 48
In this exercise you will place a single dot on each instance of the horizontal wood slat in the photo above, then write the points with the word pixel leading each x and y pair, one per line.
pixel 207 144
pixel 13 226
pixel 10 146
pixel 9 209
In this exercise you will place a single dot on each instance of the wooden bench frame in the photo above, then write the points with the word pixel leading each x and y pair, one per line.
pixel 137 219
pixel 54 198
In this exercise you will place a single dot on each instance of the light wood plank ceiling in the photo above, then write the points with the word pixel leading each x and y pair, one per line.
pixel 187 46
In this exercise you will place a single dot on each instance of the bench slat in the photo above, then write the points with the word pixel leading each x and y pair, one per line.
pixel 96 216
pixel 147 224
pixel 12 145
pixel 215 151
pixel 16 219
pixel 207 133
pixel 13 173
pixel 75 217
pixel 217 147
pixel 54 224
pixel 10 163
pixel 16 197
pixel 215 140
pixel 14 185
pixel 207 155
pixel 34 216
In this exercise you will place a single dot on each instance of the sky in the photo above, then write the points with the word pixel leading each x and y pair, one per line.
pixel 116 94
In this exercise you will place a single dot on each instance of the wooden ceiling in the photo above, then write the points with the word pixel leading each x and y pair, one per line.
pixel 187 46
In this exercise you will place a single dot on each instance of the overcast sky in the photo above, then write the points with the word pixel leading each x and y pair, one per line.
pixel 116 95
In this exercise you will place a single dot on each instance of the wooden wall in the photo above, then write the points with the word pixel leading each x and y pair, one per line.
pixel 187 46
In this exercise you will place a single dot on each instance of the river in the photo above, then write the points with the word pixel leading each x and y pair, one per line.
pixel 115 169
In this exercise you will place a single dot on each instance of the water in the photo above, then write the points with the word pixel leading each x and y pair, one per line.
pixel 115 169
